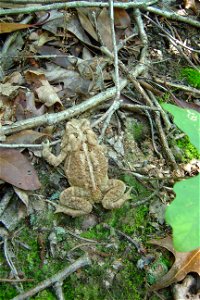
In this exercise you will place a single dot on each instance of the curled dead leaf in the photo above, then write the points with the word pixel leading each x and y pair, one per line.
pixel 45 91
pixel 185 262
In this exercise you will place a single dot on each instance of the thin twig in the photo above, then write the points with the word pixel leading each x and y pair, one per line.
pixel 137 107
pixel 81 238
pixel 37 146
pixel 176 43
pixel 162 135
pixel 16 280
pixel 117 96
pixel 137 245
pixel 178 86
pixel 59 290
pixel 74 4
pixel 116 104
pixel 9 261
pixel 61 275
pixel 147 199
pixel 172 15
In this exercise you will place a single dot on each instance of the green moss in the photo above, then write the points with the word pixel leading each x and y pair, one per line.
pixel 135 220
pixel 90 284
pixel 192 76
pixel 165 97
pixel 135 130
pixel 44 295
pixel 128 283
pixel 97 233
pixel 189 151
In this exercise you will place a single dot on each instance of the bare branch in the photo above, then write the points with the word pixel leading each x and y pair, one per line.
pixel 81 262
pixel 74 4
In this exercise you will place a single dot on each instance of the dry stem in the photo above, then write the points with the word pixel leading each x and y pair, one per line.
pixel 81 262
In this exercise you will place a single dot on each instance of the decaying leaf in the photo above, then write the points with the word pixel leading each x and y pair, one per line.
pixel 44 90
pixel 10 27
pixel 103 24
pixel 60 58
pixel 13 214
pixel 17 170
pixel 25 137
pixel 9 90
pixel 22 195
pixel 25 106
pixel 185 262
pixel 72 81
pixel 85 22
pixel 122 19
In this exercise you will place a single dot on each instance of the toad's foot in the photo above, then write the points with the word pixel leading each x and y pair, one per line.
pixel 74 202
pixel 115 196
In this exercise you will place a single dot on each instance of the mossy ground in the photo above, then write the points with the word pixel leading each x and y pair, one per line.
pixel 101 280
pixel 89 282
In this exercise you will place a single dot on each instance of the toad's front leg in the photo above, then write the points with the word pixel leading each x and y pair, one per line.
pixel 50 157
pixel 115 195
pixel 74 202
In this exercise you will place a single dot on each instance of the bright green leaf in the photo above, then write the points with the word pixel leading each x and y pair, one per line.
pixel 188 120
pixel 183 215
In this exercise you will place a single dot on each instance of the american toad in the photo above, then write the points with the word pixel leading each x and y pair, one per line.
pixel 86 169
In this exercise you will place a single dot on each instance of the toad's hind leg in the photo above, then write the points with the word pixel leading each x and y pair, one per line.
pixel 74 202
pixel 115 195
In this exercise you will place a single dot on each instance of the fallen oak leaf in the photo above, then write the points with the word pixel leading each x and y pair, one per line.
pixel 185 262
pixel 17 170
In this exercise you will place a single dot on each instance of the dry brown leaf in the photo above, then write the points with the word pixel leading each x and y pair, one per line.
pixel 46 93
pixel 103 24
pixel 17 170
pixel 25 137
pixel 85 22
pixel 60 59
pixel 185 262
pixel 25 106
pixel 73 82
pixel 122 19
pixel 10 27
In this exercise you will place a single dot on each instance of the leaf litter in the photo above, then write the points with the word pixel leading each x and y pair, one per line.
pixel 58 65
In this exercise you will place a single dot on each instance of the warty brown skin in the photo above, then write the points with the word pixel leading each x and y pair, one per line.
pixel 86 168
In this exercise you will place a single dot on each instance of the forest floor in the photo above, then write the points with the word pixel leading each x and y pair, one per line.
pixel 65 66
